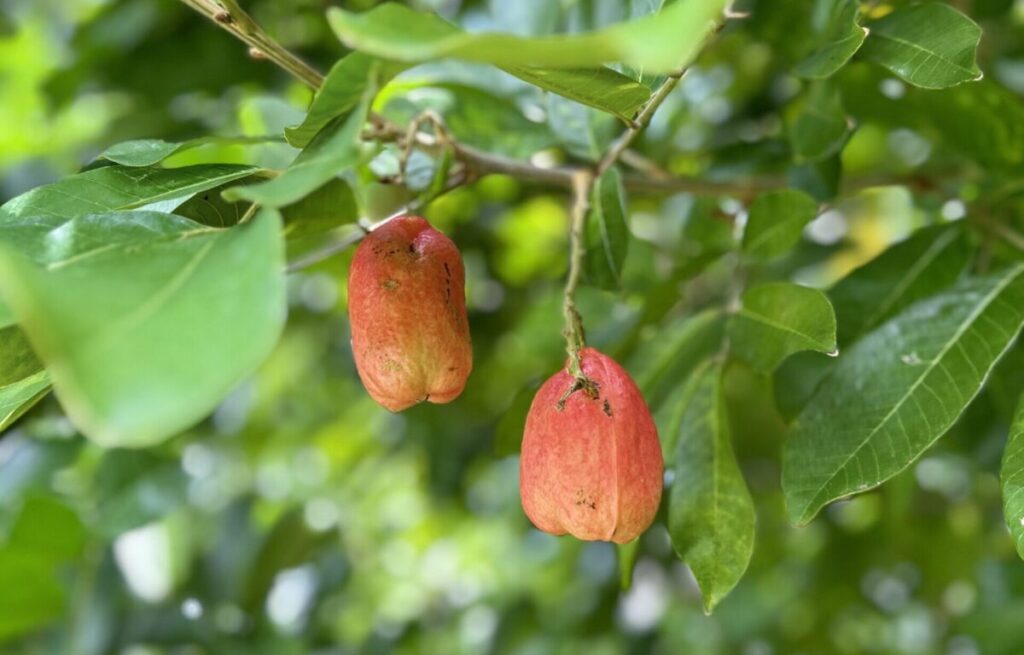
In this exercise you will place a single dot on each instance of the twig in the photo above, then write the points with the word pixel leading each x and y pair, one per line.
pixel 232 18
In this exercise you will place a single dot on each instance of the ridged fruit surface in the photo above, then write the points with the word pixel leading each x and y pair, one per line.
pixel 591 463
pixel 407 310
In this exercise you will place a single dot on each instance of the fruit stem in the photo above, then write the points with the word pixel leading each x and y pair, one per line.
pixel 575 339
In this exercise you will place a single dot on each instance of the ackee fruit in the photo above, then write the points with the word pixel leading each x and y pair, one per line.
pixel 407 310
pixel 591 463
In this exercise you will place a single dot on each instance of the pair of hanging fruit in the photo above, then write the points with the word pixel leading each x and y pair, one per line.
pixel 591 463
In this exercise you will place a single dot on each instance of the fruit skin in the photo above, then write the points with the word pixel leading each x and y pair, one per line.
pixel 591 466
pixel 407 311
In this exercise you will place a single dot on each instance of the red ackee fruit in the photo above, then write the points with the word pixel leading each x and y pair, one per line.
pixel 591 463
pixel 407 310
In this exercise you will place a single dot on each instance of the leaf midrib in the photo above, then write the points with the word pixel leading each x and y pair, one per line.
pixel 968 322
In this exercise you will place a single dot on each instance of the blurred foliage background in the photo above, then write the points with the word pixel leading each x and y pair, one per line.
pixel 302 518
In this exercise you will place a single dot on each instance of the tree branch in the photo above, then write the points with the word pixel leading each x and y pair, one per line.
pixel 232 18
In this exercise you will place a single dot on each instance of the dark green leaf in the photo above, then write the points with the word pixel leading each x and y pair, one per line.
pixel 600 88
pixel 117 187
pixel 921 266
pixel 1012 477
pixel 778 319
pixel 289 544
pixel 94 294
pixel 662 362
pixel 776 220
pixel 508 434
pixel 147 152
pixel 841 40
pixel 663 42
pixel 334 150
pixel 821 127
pixel 930 45
pixel 711 515
pixel 342 90
pixel 899 389
pixel 328 207
pixel 136 487
pixel 607 235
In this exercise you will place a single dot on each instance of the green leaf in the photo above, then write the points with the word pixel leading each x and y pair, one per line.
pixel 117 187
pixel 18 397
pixel 929 45
pixel 711 515
pixel 843 37
pixel 330 206
pixel 663 42
pixel 6 316
pixel 289 544
pixel 1011 475
pixel 899 389
pixel 134 488
pixel 334 150
pixel 821 127
pixel 508 434
pixel 48 527
pixel 775 222
pixel 23 382
pixel 918 267
pixel 627 561
pixel 600 88
pixel 778 319
pixel 607 235
pixel 144 320
pixel 39 598
pixel 341 92
pixel 147 152
pixel 676 349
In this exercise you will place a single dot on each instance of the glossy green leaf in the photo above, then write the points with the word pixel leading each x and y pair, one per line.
pixel 334 150
pixel 96 293
pixel 778 319
pixel 930 45
pixel 899 389
pixel 920 266
pixel 776 220
pixel 23 382
pixel 39 598
pixel 600 88
pixel 663 42
pixel 606 237
pixel 711 514
pixel 842 39
pixel 118 187
pixel 821 127
pixel 1011 475
pixel 147 152
pixel 343 88
pixel 6 316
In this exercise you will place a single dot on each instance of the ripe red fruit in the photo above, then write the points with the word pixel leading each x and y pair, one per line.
pixel 591 463
pixel 407 310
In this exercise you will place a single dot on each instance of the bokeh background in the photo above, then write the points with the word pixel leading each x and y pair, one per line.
pixel 302 518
